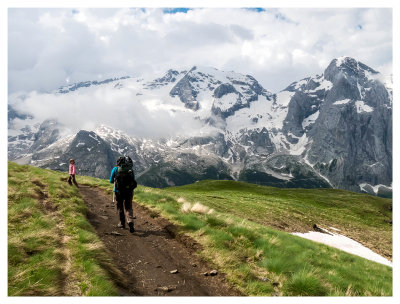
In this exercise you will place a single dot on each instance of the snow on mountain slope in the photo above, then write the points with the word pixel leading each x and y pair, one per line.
pixel 324 130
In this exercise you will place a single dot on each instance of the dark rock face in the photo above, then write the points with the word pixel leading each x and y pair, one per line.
pixel 258 141
pixel 301 106
pixel 170 77
pixel 186 91
pixel 47 134
pixel 93 156
pixel 358 146
pixel 224 89
pixel 100 160
pixel 354 138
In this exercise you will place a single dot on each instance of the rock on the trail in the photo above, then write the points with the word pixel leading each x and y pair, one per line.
pixel 211 273
pixel 165 288
pixel 174 271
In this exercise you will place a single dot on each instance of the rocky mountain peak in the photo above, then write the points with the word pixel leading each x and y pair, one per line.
pixel 349 68
pixel 169 77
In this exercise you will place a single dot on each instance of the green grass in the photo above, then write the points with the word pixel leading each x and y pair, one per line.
pixel 52 249
pixel 246 237
pixel 298 209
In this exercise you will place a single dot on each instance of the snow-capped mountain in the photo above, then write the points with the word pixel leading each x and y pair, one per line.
pixel 330 130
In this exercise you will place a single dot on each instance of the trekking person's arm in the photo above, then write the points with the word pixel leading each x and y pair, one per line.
pixel 112 177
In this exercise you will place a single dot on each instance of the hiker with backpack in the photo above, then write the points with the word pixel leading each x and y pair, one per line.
pixel 124 181
pixel 71 171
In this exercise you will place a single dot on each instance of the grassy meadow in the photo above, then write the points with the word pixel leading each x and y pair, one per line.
pixel 242 228
pixel 52 249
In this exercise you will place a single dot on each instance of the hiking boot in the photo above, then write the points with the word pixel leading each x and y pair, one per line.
pixel 121 225
pixel 131 229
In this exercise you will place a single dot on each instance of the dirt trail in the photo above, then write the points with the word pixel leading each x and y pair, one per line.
pixel 148 256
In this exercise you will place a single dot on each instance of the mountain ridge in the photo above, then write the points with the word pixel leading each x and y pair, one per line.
pixel 250 134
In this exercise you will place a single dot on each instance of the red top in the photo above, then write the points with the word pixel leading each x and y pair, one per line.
pixel 71 168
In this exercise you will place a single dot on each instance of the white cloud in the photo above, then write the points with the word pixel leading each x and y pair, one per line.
pixel 53 47
pixel 277 46
pixel 118 108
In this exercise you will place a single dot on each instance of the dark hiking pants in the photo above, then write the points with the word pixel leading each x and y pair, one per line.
pixel 71 179
pixel 124 206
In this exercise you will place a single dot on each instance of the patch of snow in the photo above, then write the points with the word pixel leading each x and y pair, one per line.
pixel 290 175
pixel 299 148
pixel 340 60
pixel 269 115
pixel 325 85
pixel 280 141
pixel 301 83
pixel 80 144
pixel 344 243
pixel 362 107
pixel 283 98
pixel 360 91
pixel 226 102
pixel 310 119
pixel 343 101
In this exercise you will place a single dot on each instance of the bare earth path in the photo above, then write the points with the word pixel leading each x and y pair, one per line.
pixel 148 256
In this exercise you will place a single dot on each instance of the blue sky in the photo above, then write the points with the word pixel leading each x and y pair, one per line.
pixel 176 10
pixel 186 9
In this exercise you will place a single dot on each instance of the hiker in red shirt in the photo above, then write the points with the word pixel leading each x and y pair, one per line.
pixel 72 172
